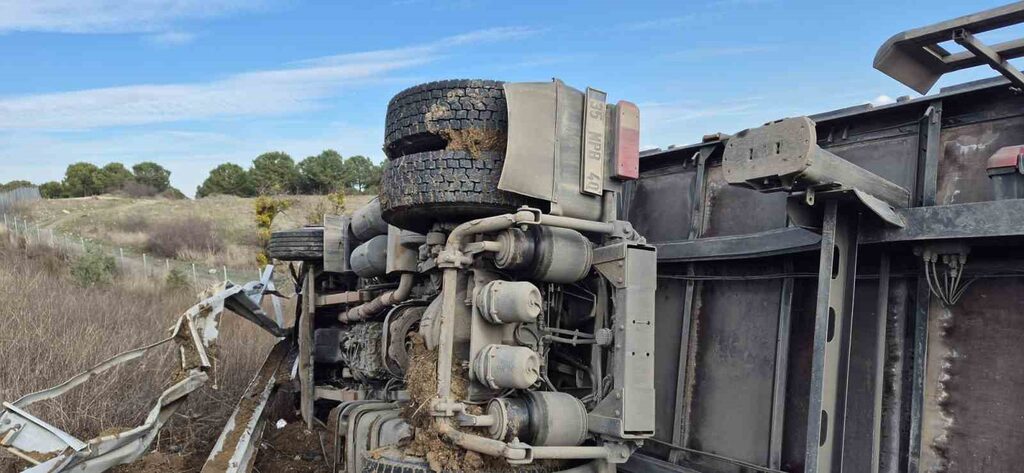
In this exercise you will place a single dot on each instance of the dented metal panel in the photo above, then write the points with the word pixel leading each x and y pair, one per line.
pixel 909 144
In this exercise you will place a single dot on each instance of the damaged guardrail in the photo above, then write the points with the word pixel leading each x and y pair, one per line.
pixel 50 449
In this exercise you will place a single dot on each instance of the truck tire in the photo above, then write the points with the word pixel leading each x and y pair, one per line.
pixel 302 244
pixel 390 460
pixel 423 118
pixel 444 186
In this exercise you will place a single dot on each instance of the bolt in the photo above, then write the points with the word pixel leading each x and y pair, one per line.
pixel 618 412
pixel 618 394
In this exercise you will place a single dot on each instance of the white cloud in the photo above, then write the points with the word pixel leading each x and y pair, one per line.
pixel 111 16
pixel 882 100
pixel 171 38
pixel 261 93
pixel 658 23
pixel 433 48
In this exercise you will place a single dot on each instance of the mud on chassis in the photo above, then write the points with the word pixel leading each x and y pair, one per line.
pixel 470 319
pixel 488 312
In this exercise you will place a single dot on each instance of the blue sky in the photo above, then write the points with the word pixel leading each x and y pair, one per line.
pixel 194 83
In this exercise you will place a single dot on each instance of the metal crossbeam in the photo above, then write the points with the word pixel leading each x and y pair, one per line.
pixel 990 56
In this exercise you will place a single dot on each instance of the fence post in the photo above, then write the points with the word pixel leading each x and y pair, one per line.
pixel 145 265
pixel 83 243
pixel 122 255
pixel 167 265
pixel 225 267
pixel 195 277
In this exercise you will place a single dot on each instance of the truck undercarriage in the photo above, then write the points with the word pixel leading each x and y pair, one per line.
pixel 530 293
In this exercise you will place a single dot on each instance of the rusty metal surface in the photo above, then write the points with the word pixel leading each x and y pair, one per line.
pixel 732 392
pixel 965 150
pixel 972 406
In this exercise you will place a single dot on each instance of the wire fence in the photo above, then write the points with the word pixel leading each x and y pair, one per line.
pixel 18 196
pixel 130 262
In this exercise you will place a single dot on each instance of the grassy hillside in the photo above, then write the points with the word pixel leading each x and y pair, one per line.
pixel 215 231
pixel 51 327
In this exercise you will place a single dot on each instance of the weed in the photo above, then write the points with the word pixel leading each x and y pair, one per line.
pixel 177 280
pixel 171 238
pixel 331 204
pixel 51 328
pixel 94 268
pixel 267 209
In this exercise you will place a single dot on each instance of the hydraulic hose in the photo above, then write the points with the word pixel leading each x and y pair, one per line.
pixel 381 302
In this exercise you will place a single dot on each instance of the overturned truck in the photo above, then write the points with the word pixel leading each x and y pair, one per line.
pixel 530 293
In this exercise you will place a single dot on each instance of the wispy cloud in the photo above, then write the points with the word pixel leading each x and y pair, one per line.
pixel 882 100
pixel 658 23
pixel 171 38
pixel 260 93
pixel 112 16
pixel 434 48
pixel 719 51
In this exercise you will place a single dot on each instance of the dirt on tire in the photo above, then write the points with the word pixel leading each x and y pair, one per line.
pixel 444 186
pixel 429 117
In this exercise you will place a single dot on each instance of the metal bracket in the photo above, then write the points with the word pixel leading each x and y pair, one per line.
pixel 826 412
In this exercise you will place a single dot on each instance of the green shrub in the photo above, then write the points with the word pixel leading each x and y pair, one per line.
pixel 94 268
pixel 177 280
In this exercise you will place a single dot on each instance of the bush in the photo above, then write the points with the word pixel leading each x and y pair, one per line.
pixel 94 268
pixel 331 204
pixel 177 280
pixel 133 188
pixel 171 238
pixel 132 222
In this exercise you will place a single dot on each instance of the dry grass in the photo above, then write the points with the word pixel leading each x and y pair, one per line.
pixel 130 222
pixel 51 329
pixel 170 238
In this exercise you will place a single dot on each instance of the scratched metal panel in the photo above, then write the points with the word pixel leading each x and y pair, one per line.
pixel 670 192
pixel 735 359
pixel 736 210
pixel 965 150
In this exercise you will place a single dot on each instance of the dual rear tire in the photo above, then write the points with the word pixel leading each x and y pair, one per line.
pixel 446 147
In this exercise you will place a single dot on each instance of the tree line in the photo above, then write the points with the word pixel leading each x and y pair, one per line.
pixel 277 173
pixel 270 173
pixel 86 179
